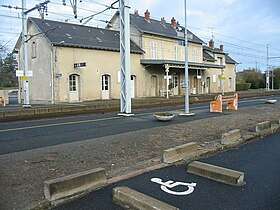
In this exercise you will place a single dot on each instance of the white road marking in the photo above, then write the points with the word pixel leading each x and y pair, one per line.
pixel 102 119
pixel 168 185
pixel 57 124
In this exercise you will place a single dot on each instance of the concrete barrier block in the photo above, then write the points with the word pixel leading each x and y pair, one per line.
pixel 231 137
pixel 132 199
pixel 180 152
pixel 275 124
pixel 216 173
pixel 263 126
pixel 74 184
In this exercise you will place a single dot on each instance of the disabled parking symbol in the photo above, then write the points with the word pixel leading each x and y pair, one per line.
pixel 168 185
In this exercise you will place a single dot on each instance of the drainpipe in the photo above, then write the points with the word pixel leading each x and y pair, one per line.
pixel 52 75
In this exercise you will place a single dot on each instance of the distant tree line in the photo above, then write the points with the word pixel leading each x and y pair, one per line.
pixel 254 79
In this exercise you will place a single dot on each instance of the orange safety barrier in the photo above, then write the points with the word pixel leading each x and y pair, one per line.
pixel 217 104
pixel 2 101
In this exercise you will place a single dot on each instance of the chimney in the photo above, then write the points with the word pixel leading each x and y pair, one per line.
pixel 222 47
pixel 211 43
pixel 173 23
pixel 147 16
pixel 162 20
pixel 136 12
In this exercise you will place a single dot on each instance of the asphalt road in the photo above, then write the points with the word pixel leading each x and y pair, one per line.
pixel 26 135
pixel 259 160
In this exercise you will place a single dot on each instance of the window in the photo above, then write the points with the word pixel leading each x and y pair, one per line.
pixel 219 82
pixel 220 59
pixel 176 52
pixel 214 78
pixel 230 82
pixel 153 50
pixel 72 82
pixel 119 76
pixel 34 50
pixel 181 42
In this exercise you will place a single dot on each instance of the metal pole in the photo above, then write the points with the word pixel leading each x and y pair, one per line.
pixel 267 69
pixel 272 78
pixel 187 106
pixel 223 84
pixel 26 102
pixel 125 98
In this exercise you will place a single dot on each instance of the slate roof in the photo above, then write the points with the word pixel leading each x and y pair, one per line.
pixel 163 29
pixel 74 35
pixel 229 60
pixel 159 28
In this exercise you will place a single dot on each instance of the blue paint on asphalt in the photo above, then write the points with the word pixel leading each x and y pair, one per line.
pixel 260 160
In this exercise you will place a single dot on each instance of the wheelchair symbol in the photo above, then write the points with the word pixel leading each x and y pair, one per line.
pixel 170 184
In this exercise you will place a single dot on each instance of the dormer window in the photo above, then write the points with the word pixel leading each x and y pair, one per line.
pixel 220 59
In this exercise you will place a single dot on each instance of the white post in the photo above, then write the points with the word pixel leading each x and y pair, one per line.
pixel 125 98
pixel 26 102
pixel 187 106
pixel 167 80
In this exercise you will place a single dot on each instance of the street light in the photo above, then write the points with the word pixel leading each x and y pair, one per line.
pixel 187 103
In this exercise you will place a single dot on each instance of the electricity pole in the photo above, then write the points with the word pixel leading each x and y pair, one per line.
pixel 272 70
pixel 267 69
pixel 26 97
pixel 24 39
pixel 125 96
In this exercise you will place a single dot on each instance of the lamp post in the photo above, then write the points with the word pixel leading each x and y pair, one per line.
pixel 187 103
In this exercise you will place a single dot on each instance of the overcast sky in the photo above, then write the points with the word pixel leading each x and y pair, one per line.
pixel 243 26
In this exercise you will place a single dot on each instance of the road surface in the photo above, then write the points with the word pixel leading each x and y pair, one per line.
pixel 259 160
pixel 25 135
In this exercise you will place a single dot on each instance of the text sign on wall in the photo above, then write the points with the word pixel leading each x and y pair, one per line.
pixel 79 65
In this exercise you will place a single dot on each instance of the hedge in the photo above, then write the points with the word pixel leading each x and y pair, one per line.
pixel 243 86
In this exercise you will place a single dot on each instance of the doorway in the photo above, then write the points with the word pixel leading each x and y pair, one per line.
pixel 74 80
pixel 105 86
pixel 154 86
pixel 133 81
pixel 207 85
pixel 175 87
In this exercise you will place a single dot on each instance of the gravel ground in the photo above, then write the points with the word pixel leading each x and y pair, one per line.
pixel 22 174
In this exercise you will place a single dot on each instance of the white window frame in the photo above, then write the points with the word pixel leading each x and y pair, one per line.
pixel 154 50
pixel 176 52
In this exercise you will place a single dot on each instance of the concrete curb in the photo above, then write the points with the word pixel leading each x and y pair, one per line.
pixel 263 126
pixel 231 137
pixel 275 125
pixel 216 173
pixel 179 153
pixel 74 184
pixel 132 199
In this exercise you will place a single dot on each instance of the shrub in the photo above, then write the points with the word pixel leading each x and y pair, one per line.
pixel 243 86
